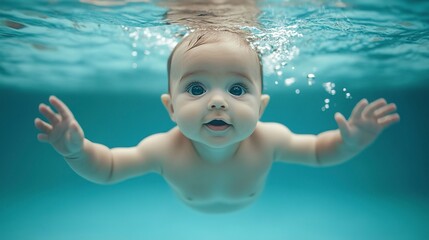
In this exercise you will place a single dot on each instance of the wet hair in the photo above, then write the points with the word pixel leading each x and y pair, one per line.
pixel 202 37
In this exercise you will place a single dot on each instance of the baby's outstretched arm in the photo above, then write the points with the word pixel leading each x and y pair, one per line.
pixel 64 133
pixel 366 122
pixel 92 161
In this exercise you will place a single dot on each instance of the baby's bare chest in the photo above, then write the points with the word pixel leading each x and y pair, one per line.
pixel 233 180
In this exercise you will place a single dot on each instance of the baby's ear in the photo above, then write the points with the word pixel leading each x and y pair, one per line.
pixel 166 101
pixel 265 99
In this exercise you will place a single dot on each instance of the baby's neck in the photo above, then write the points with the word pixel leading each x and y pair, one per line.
pixel 215 155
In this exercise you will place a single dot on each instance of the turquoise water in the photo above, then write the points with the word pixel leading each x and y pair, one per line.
pixel 108 65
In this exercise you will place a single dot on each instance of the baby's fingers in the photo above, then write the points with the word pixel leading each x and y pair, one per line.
pixel 368 112
pixel 360 106
pixel 61 107
pixel 342 124
pixel 49 114
pixel 388 120
pixel 42 126
pixel 43 137
pixel 385 110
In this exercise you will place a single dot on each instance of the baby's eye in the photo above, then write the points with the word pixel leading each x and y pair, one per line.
pixel 195 89
pixel 237 90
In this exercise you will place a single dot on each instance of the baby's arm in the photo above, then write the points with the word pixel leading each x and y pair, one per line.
pixel 92 161
pixel 332 147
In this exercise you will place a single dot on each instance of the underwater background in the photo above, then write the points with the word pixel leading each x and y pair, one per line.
pixel 107 61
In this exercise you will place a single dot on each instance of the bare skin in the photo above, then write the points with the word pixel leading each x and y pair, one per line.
pixel 218 156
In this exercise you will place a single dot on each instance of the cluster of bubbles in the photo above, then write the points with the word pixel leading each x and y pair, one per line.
pixel 147 41
pixel 330 89
pixel 275 46
pixel 277 49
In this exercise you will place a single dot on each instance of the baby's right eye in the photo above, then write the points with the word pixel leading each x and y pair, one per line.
pixel 195 89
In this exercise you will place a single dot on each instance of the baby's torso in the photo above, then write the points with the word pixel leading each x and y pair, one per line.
pixel 218 187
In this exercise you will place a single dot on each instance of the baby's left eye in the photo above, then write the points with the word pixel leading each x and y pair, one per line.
pixel 237 90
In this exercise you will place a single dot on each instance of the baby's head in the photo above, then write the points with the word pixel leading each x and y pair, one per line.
pixel 215 87
pixel 202 37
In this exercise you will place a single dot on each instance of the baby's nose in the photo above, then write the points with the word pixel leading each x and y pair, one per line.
pixel 217 102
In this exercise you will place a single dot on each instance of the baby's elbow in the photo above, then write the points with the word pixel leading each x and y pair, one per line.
pixel 107 178
pixel 318 162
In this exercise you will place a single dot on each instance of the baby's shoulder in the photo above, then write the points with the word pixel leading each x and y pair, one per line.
pixel 271 127
pixel 271 132
pixel 163 143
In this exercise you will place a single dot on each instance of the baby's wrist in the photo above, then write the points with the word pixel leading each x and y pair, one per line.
pixel 73 156
pixel 76 154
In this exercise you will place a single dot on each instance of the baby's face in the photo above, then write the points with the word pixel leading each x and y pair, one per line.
pixel 215 93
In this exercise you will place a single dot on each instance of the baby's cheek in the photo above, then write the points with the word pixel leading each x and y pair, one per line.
pixel 247 111
pixel 187 124
pixel 187 117
pixel 192 109
pixel 247 117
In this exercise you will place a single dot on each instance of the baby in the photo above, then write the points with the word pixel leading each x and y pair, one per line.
pixel 218 156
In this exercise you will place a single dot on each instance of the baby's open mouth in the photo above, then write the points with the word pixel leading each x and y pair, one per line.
pixel 217 125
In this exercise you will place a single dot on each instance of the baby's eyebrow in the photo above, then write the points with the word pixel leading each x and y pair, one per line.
pixel 188 74
pixel 204 72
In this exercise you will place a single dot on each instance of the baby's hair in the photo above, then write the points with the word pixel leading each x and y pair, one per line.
pixel 201 37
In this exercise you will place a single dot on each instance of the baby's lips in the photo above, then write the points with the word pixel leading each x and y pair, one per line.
pixel 217 122
pixel 218 128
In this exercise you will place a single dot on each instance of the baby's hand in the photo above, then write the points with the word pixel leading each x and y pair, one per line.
pixel 63 131
pixel 366 122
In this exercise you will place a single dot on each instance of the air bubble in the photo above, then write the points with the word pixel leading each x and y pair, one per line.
pixel 329 87
pixel 327 100
pixel 134 53
pixel 289 81
pixel 134 35
pixel 310 79
pixel 348 96
pixel 297 91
